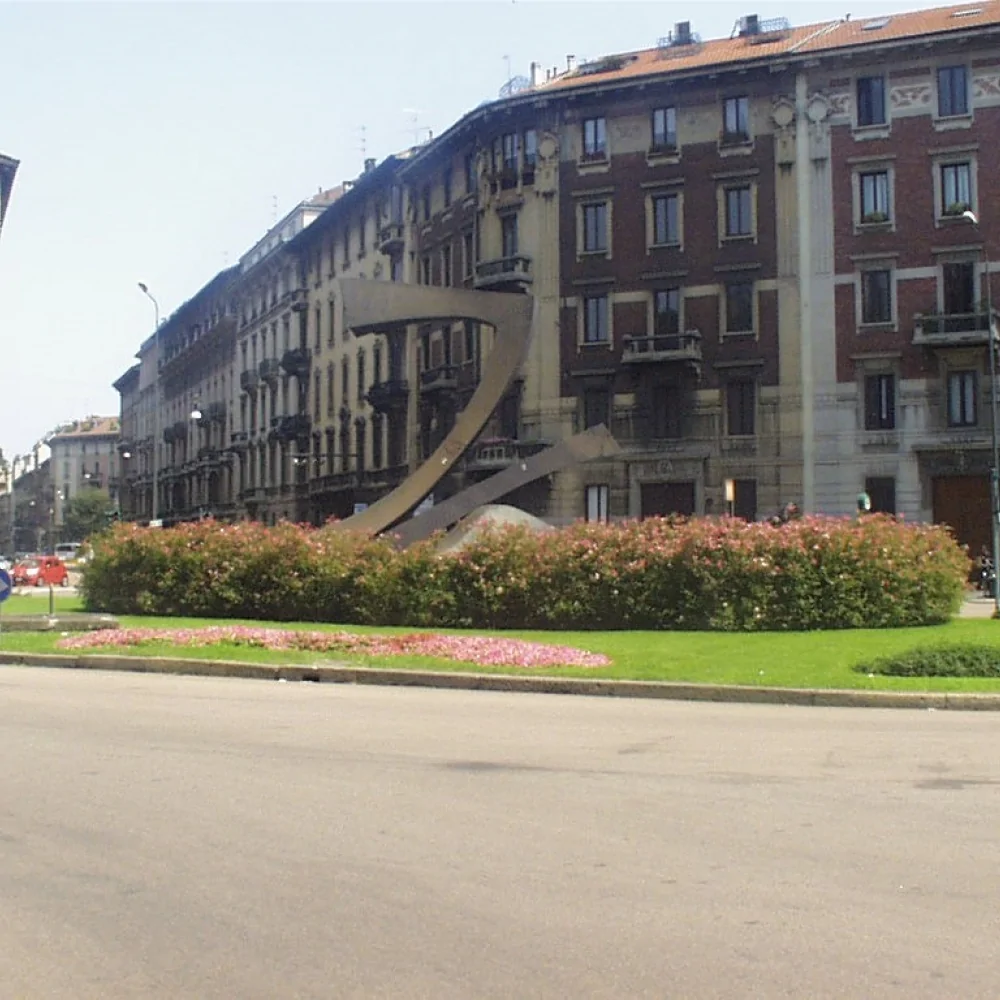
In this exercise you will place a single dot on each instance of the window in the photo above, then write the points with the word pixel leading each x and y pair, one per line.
pixel 664 128
pixel 345 381
pixel 470 173
pixel 318 316
pixel 956 188
pixel 595 319
pixel 667 312
pixel 665 412
pixel 446 265
pixel 332 322
pixel 595 227
pixel 345 257
pixel 425 200
pixel 739 307
pixel 425 271
pixel 330 381
pixel 959 289
pixel 468 259
pixel 377 441
pixel 740 407
pixel 395 269
pixel 739 211
pixel 359 445
pixel 362 387
pixel 510 152
pixel 508 235
pixel 961 399
pixel 362 227
pixel 666 220
pixel 596 499
pixel 876 296
pixel 881 491
pixel 871 100
pixel 595 141
pixel 317 395
pixel 596 404
pixel 448 178
pixel 874 191
pixel 880 402
pixel 736 119
pixel 530 148
pixel 953 91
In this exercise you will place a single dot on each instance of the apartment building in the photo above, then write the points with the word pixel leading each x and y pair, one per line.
pixel 8 170
pixel 761 261
pixel 84 455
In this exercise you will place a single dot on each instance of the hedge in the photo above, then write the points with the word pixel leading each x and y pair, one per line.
pixel 956 660
pixel 709 573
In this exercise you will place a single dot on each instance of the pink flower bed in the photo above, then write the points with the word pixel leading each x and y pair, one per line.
pixel 482 651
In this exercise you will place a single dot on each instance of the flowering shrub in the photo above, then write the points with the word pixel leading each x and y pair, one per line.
pixel 482 651
pixel 709 573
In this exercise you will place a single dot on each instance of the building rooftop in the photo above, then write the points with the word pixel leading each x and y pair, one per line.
pixel 755 40
pixel 87 427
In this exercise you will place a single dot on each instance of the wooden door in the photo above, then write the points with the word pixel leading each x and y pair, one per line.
pixel 661 499
pixel 963 503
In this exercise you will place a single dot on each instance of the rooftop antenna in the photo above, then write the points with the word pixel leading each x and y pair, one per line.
pixel 363 132
pixel 274 209
pixel 506 59
pixel 415 114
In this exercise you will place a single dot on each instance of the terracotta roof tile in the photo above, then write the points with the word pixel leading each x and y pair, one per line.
pixel 824 36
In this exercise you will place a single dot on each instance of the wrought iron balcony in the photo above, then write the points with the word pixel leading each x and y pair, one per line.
pixel 296 361
pixel 391 238
pixel 662 348
pixel 952 329
pixel 444 378
pixel 249 380
pixel 269 370
pixel 239 440
pixel 514 270
pixel 215 413
pixel 390 395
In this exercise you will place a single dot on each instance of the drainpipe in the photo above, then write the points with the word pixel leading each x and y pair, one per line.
pixel 802 167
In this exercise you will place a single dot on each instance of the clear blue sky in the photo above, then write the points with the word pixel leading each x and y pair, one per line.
pixel 155 138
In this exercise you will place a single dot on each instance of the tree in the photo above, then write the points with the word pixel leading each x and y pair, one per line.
pixel 87 513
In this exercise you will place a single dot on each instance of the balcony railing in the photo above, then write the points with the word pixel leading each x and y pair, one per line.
pixel 392 394
pixel 239 440
pixel 249 380
pixel 503 271
pixel 439 379
pixel 498 453
pixel 215 413
pixel 296 361
pixel 296 426
pixel 661 348
pixel 735 137
pixel 952 329
pixel 391 237
pixel 269 370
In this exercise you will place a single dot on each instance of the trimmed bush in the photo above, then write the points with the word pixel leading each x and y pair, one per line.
pixel 708 573
pixel 960 660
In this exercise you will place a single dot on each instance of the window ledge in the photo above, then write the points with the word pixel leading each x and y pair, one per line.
pixel 736 148
pixel 594 164
pixel 951 122
pixel 740 238
pixel 738 334
pixel 889 326
pixel 672 245
pixel 663 154
pixel 594 253
pixel 863 133
pixel 590 345
pixel 887 226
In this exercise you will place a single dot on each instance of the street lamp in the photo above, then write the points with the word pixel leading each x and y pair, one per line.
pixel 994 442
pixel 156 401
pixel 730 487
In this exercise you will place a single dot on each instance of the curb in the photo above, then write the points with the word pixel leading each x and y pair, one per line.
pixel 669 690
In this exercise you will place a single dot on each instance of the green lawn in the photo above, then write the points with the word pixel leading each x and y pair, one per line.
pixel 801 659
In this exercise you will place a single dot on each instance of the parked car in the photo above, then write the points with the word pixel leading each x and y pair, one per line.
pixel 41 571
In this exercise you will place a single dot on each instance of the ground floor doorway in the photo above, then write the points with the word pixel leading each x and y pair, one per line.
pixel 663 499
pixel 963 503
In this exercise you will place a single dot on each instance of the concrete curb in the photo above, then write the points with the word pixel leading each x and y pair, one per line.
pixel 345 674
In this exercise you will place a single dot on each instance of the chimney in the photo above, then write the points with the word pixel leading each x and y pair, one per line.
pixel 534 74
pixel 570 63
pixel 369 164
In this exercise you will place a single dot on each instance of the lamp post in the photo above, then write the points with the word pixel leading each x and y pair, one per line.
pixel 730 489
pixel 154 511
pixel 994 442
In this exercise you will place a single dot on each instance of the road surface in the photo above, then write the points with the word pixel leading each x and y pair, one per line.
pixel 168 837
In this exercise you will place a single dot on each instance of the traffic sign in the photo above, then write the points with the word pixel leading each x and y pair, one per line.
pixel 5 585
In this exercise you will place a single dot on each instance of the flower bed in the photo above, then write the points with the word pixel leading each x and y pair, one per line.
pixel 709 573
pixel 479 650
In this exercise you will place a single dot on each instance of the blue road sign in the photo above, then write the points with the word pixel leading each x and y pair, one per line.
pixel 5 585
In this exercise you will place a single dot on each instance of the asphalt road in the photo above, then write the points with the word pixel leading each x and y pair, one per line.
pixel 177 838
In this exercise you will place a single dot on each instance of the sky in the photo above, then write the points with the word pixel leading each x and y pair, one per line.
pixel 159 141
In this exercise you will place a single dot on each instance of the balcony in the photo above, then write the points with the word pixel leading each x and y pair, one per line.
pixel 391 238
pixel 249 380
pixel 498 453
pixel 504 271
pixel 951 329
pixel 299 299
pixel 269 370
pixel 292 428
pixel 683 348
pixel 215 413
pixel 444 378
pixel 390 396
pixel 296 361
pixel 239 440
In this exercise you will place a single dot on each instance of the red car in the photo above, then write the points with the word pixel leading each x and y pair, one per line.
pixel 40 571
